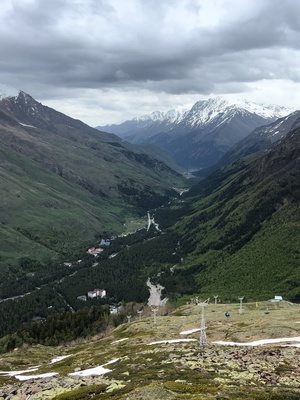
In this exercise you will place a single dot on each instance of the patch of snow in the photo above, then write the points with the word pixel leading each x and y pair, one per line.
pixel 260 342
pixel 29 126
pixel 172 341
pixel 190 331
pixel 120 340
pixel 14 373
pixel 92 371
pixel 112 361
pixel 59 358
pixel 100 370
pixel 26 377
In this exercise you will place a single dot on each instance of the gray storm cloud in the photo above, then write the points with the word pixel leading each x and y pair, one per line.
pixel 178 47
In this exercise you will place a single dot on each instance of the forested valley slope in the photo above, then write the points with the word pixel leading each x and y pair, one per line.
pixel 63 183
pixel 236 233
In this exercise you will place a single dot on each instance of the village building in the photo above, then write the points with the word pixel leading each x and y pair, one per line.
pixel 276 299
pixel 97 293
pixel 67 264
pixel 105 242
pixel 95 251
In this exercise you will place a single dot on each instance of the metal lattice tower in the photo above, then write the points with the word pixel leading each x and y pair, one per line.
pixel 202 339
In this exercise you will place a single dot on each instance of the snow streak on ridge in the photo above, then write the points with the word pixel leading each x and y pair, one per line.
pixel 204 111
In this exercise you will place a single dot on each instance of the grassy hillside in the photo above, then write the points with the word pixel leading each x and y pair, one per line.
pixel 142 362
pixel 63 182
pixel 241 231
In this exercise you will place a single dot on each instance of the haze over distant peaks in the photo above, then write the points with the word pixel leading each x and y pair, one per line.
pixel 199 136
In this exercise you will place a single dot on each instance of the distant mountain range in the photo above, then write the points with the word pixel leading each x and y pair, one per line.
pixel 63 182
pixel 198 137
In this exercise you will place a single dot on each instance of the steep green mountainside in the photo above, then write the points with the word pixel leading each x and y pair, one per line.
pixel 261 139
pixel 241 230
pixel 63 182
pixel 256 143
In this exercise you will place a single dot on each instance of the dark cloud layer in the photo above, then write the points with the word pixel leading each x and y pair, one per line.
pixel 54 49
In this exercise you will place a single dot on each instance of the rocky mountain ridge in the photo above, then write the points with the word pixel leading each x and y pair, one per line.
pixel 261 139
pixel 199 136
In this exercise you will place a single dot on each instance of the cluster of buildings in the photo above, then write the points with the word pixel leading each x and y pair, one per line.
pixel 93 294
pixel 95 251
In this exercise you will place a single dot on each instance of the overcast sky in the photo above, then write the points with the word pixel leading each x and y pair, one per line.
pixel 103 61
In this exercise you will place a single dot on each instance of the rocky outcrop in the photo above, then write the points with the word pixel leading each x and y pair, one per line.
pixel 49 388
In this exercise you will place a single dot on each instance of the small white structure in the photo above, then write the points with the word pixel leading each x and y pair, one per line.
pixel 278 298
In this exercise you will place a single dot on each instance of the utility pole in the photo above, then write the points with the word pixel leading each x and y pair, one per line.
pixel 154 310
pixel 241 305
pixel 128 318
pixel 140 312
pixel 216 299
pixel 202 339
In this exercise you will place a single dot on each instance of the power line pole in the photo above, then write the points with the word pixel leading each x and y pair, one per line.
pixel 154 310
pixel 216 299
pixel 140 312
pixel 241 305
pixel 202 339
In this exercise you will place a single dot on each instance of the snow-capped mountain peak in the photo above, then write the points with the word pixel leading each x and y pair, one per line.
pixel 204 111
pixel 215 109
pixel 198 136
